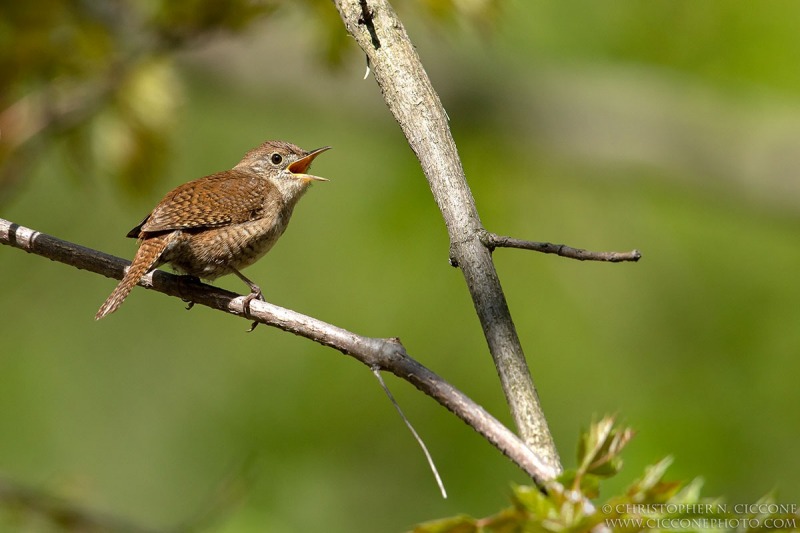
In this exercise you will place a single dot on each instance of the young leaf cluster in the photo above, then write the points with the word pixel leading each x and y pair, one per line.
pixel 650 503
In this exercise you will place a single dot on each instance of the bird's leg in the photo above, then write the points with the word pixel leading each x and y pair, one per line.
pixel 255 290
pixel 193 280
pixel 255 293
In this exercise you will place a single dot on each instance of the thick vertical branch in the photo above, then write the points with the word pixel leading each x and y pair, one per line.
pixel 416 107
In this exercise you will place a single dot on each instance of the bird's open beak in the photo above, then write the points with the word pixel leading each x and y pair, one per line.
pixel 299 167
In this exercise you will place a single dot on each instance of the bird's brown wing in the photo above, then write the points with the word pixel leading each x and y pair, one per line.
pixel 229 197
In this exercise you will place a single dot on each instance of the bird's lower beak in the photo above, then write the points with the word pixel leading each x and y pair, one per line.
pixel 299 167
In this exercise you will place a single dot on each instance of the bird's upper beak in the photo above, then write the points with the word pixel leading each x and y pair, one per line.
pixel 299 167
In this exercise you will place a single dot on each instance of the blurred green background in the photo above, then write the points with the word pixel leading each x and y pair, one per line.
pixel 668 126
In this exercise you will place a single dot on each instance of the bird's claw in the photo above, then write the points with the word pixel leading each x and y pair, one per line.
pixel 189 280
pixel 255 295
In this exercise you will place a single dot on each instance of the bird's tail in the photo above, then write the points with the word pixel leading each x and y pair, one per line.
pixel 147 256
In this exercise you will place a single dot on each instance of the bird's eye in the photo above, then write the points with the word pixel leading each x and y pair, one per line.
pixel 276 158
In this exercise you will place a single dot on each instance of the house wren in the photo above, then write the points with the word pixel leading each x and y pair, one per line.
pixel 221 223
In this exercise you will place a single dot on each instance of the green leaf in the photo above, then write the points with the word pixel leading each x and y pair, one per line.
pixel 509 520
pixel 690 493
pixel 456 524
pixel 599 449
pixel 650 487
pixel 532 501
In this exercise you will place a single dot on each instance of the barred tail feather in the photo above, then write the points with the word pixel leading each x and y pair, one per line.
pixel 147 256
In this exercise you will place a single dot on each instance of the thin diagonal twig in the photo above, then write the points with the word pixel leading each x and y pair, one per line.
pixel 413 431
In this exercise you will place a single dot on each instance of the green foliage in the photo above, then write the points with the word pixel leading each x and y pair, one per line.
pixel 182 21
pixel 700 338
pixel 115 97
pixel 650 503
pixel 132 135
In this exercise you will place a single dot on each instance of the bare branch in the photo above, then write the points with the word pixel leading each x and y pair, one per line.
pixel 492 241
pixel 384 354
pixel 411 98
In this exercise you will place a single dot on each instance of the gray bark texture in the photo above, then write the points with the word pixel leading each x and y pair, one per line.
pixel 410 96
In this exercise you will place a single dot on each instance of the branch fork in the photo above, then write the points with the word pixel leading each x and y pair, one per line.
pixel 410 96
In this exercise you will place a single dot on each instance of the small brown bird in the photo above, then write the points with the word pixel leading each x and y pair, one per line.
pixel 221 223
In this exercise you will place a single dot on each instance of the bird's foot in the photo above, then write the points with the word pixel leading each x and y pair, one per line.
pixel 194 280
pixel 255 295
